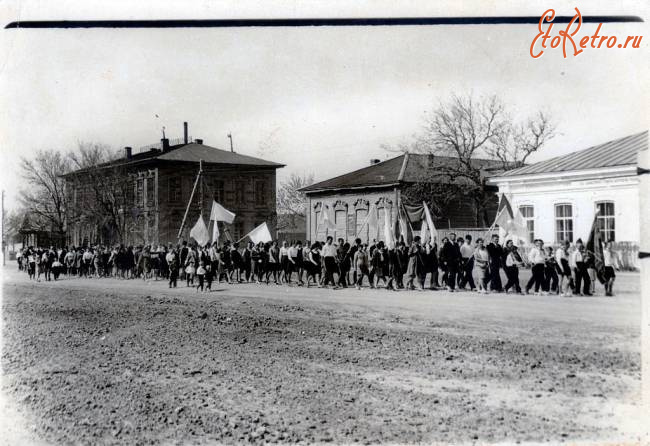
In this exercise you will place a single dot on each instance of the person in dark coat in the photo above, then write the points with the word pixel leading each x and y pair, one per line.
pixel 451 254
pixel 495 250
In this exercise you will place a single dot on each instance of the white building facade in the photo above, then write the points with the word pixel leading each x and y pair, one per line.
pixel 560 197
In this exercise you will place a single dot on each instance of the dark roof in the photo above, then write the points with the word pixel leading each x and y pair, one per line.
pixel 192 152
pixel 618 152
pixel 405 168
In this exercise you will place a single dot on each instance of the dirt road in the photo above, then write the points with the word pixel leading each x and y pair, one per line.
pixel 128 362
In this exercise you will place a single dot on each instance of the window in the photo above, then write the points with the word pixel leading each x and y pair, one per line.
pixel 175 190
pixel 218 191
pixel 605 220
pixel 340 219
pixel 260 193
pixel 238 230
pixel 139 192
pixel 316 222
pixel 150 192
pixel 563 223
pixel 382 214
pixel 361 215
pixel 528 214
pixel 240 189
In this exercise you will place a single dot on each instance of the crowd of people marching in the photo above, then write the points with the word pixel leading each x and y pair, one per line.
pixel 457 264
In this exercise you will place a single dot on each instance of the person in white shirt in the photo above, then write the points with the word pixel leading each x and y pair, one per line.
pixel 329 259
pixel 610 261
pixel 284 263
pixel 467 265
pixel 513 262
pixel 537 258
pixel 579 265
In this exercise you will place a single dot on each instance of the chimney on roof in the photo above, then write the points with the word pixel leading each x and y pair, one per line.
pixel 198 141
pixel 185 132
pixel 128 153
pixel 374 161
pixel 165 144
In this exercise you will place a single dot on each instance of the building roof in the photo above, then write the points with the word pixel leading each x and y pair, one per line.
pixel 405 168
pixel 192 152
pixel 618 152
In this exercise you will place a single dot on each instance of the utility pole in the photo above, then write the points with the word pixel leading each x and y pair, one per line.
pixel 4 245
pixel 230 137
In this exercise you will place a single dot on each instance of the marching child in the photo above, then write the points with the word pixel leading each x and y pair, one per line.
pixel 200 274
pixel 209 275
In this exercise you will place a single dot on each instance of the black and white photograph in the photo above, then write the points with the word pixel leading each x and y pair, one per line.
pixel 323 222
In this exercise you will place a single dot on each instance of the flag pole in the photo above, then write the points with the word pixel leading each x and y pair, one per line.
pixel 189 203
pixel 493 224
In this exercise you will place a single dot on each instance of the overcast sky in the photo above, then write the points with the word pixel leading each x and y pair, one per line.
pixel 320 100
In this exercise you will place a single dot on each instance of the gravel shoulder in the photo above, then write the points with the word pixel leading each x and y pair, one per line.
pixel 131 362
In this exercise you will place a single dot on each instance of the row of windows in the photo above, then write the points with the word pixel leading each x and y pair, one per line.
pixel 606 220
pixel 348 226
pixel 216 190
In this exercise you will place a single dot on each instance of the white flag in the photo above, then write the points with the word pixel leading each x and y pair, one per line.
pixel 220 213
pixel 370 220
pixel 260 234
pixel 328 219
pixel 215 231
pixel 200 232
pixel 423 232
pixel 388 233
pixel 432 228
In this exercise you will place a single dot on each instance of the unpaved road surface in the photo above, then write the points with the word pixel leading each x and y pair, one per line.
pixel 126 362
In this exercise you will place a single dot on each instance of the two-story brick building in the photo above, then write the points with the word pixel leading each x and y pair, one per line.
pixel 158 184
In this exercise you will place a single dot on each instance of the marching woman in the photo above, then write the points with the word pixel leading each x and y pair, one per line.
pixel 328 254
pixel 190 266
pixel 610 261
pixel 69 262
pixel 298 262
pixel 274 263
pixel 285 276
pixel 312 264
pixel 537 257
pixel 31 263
pixel 565 286
pixel 481 262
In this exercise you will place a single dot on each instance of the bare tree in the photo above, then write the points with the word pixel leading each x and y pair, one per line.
pixel 466 131
pixel 290 202
pixel 516 142
pixel 14 222
pixel 106 189
pixel 44 192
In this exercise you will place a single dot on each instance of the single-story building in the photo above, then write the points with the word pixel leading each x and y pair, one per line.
pixel 385 184
pixel 559 197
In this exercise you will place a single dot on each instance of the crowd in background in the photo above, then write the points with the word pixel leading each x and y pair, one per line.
pixel 457 264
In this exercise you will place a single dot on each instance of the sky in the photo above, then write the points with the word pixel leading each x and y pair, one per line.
pixel 320 100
